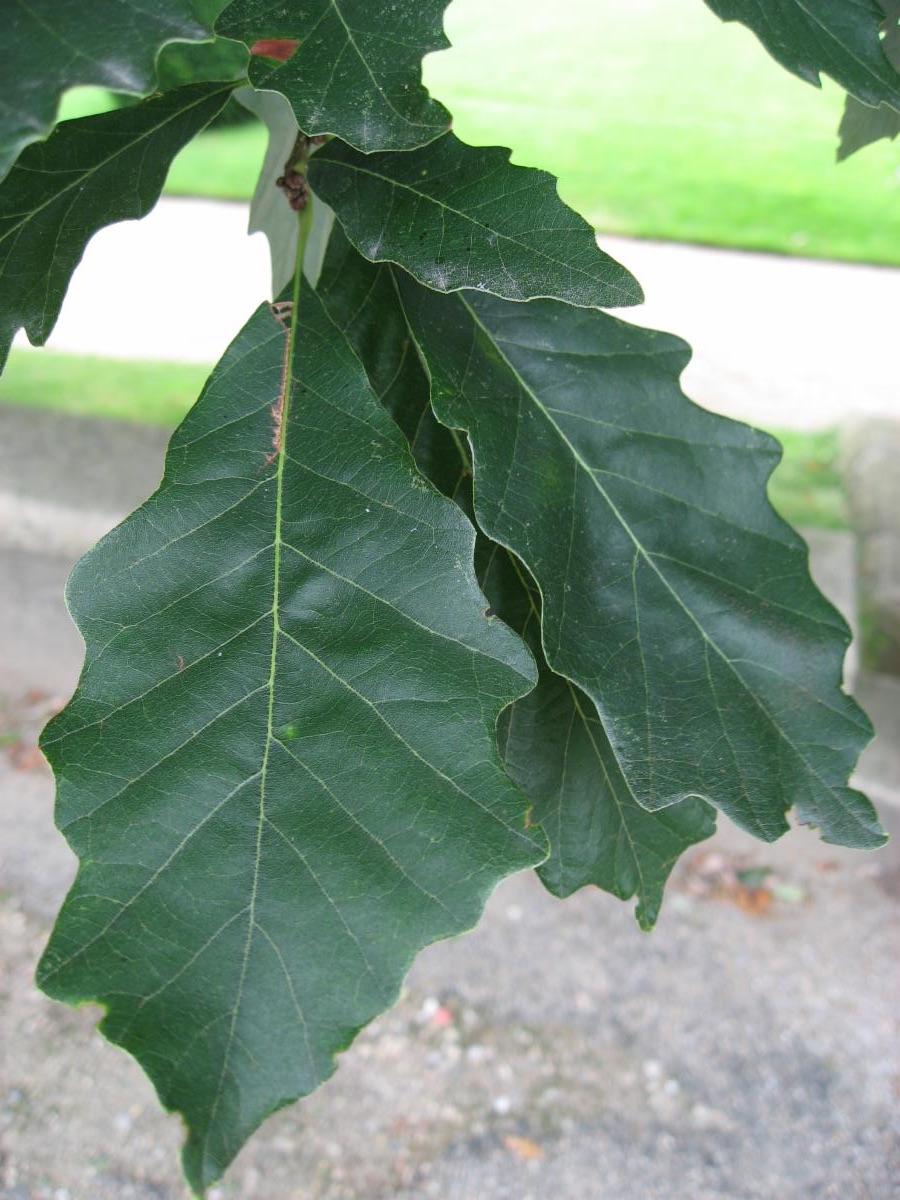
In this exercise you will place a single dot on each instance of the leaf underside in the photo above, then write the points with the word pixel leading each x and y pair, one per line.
pixel 89 173
pixel 839 38
pixel 861 126
pixel 269 214
pixel 48 47
pixel 553 743
pixel 357 71
pixel 279 770
pixel 458 216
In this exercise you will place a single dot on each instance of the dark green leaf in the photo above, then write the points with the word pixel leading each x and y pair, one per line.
pixel 48 46
pixel 554 744
pixel 555 747
pixel 672 593
pixel 357 72
pixel 862 125
pixel 362 300
pixel 279 770
pixel 457 216
pixel 836 37
pixel 89 173
pixel 181 63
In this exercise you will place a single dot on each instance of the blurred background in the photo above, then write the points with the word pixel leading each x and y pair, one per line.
pixel 748 1048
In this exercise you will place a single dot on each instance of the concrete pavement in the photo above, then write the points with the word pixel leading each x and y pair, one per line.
pixel 780 342
pixel 737 1053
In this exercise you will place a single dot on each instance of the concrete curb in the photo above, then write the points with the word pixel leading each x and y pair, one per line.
pixel 870 451
pixel 52 529
pixel 66 481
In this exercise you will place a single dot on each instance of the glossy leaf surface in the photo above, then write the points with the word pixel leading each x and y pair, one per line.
pixel 48 46
pixel 89 173
pixel 672 593
pixel 279 770
pixel 838 38
pixel 357 69
pixel 553 742
pixel 458 216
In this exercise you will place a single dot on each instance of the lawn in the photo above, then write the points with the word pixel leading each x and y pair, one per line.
pixel 806 488
pixel 154 393
pixel 659 121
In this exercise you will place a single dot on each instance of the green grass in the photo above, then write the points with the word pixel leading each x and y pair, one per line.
pixel 154 393
pixel 223 164
pixel 659 121
pixel 806 488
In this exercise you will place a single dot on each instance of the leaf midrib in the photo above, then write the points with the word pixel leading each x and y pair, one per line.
pixel 287 382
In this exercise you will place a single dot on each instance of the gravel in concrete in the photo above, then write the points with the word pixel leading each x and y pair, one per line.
pixel 871 454
pixel 80 464
pixel 65 481
pixel 746 1050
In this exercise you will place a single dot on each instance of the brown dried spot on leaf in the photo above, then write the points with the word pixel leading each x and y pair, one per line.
pixel 282 310
pixel 280 49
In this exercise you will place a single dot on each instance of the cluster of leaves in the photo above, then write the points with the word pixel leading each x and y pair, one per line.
pixel 446 578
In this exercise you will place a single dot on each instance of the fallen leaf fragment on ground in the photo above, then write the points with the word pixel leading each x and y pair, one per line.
pixel 523 1148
